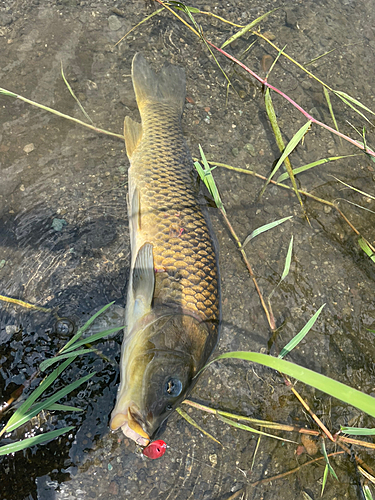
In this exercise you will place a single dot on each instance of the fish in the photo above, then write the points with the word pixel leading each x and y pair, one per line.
pixel 172 313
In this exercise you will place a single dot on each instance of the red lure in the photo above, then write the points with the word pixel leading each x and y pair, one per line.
pixel 156 449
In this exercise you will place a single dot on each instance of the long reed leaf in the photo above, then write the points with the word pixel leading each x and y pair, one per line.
pixel 49 362
pixel 35 395
pixel 31 412
pixel 26 443
pixel 85 327
pixel 325 384
pixel 93 338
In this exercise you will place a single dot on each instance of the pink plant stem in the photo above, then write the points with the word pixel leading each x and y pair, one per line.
pixel 305 113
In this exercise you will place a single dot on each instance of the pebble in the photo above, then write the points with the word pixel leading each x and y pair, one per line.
pixel 58 224
pixel 114 23
pixel 270 36
pixel 250 148
pixel 235 152
pixel 2 263
pixel 306 85
pixel 29 147
pixel 113 488
pixel 291 18
pixel 11 329
pixel 5 19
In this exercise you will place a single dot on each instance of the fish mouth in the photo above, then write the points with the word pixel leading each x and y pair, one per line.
pixel 132 425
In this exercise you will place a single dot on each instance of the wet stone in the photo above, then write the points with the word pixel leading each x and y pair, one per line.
pixel 114 23
pixel 5 19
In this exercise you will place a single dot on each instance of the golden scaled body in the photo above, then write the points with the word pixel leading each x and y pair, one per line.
pixel 171 217
pixel 172 311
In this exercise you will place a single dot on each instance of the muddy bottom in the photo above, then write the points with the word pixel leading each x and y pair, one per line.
pixel 64 240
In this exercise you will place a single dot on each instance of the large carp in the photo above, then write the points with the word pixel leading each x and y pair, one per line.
pixel 173 304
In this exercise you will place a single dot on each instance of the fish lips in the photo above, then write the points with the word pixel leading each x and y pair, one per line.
pixel 132 425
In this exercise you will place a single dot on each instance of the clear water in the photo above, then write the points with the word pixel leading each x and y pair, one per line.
pixel 64 239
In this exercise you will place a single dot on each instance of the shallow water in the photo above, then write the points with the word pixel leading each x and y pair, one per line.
pixel 64 239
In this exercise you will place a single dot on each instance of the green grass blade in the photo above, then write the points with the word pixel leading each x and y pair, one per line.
pixel 354 101
pixel 325 384
pixel 246 28
pixel 269 72
pixel 288 260
pixel 55 112
pixel 60 407
pixel 367 492
pixel 94 338
pixel 357 431
pixel 301 335
pixel 330 468
pixel 328 99
pixel 8 93
pixel 356 205
pixel 35 395
pixel 251 429
pixel 85 327
pixel 26 443
pixel 353 107
pixel 354 189
pixel 73 95
pixel 298 170
pixel 25 417
pixel 325 476
pixel 183 7
pixel 265 228
pixel 192 422
pixel 288 149
pixel 49 362
pixel 206 176
pixel 279 140
pixel 364 245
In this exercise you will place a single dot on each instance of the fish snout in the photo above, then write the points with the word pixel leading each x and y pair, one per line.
pixel 132 425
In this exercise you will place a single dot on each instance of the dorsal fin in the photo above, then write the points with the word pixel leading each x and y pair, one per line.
pixel 132 134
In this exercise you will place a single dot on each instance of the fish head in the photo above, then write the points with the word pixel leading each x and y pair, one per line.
pixel 159 371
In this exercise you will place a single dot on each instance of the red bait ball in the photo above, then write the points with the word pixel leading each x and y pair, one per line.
pixel 156 449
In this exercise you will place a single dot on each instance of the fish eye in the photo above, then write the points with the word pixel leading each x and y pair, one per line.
pixel 173 387
pixel 169 407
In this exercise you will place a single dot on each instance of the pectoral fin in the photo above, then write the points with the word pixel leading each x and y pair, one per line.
pixel 132 134
pixel 143 280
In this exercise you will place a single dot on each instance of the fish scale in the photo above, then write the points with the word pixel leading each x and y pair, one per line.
pixel 172 218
